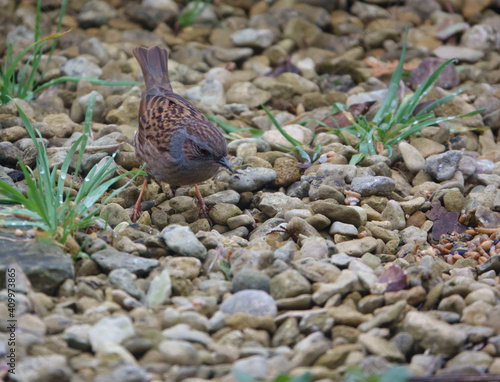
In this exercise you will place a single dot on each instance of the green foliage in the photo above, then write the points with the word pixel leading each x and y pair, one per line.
pixel 225 267
pixel 228 128
pixel 392 374
pixel 304 377
pixel 48 204
pixel 396 120
pixel 24 85
pixel 188 17
pixel 297 145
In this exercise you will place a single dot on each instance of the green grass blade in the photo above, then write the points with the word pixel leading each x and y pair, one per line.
pixel 393 86
pixel 11 194
pixel 54 43
pixel 406 112
pixel 407 125
pixel 287 136
pixel 303 154
pixel 23 223
pixel 442 100
pixel 93 81
pixel 227 127
pixel 434 121
pixel 89 203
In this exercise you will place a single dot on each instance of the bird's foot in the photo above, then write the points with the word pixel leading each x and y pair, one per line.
pixel 202 207
pixel 136 212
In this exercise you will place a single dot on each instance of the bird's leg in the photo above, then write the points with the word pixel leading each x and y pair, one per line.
pixel 136 212
pixel 202 207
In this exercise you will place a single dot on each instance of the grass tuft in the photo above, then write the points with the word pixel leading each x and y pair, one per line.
pixel 22 83
pixel 48 205
pixel 395 120
pixel 188 17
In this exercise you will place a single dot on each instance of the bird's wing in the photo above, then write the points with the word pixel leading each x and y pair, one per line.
pixel 161 115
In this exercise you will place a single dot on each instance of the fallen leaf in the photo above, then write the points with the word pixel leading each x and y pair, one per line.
pixel 444 221
pixel 380 68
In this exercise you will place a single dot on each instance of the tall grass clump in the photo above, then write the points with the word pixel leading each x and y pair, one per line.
pixel 48 204
pixel 396 120
pixel 21 82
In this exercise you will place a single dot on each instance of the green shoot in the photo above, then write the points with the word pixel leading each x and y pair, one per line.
pixel 395 120
pixel 188 17
pixel 48 204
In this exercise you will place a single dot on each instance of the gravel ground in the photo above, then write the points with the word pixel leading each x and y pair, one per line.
pixel 306 267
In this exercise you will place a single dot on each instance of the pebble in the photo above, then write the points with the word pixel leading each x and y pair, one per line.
pixel 254 38
pixel 110 330
pixel 251 179
pixel 182 241
pixel 433 334
pixel 160 289
pixel 255 302
pixel 126 316
pixel 109 259
pixel 373 185
pixel 443 166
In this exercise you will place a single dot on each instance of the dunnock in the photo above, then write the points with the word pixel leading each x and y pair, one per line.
pixel 175 140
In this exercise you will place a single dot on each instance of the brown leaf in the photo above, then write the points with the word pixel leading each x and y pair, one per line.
pixel 379 68
pixel 444 221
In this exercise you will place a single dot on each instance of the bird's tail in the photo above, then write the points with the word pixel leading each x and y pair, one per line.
pixel 154 65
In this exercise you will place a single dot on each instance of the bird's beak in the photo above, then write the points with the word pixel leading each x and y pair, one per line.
pixel 224 162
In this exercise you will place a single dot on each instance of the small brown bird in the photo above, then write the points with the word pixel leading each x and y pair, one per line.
pixel 175 140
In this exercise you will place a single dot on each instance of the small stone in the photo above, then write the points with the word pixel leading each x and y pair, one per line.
pixel 381 347
pixel 434 334
pixel 80 67
pixel 413 159
pixel 373 185
pixel 343 229
pixel 395 214
pixel 358 247
pixel 250 279
pixel 112 329
pixel 179 353
pixel 160 289
pixel 251 179
pixel 184 267
pixel 443 166
pixel 274 202
pixel 289 284
pixel 255 367
pixel 250 301
pixel 109 259
pixel 299 84
pixel 240 221
pixel 182 241
pixel 124 279
pixel 255 38
pixel 248 94
pixel 461 53
pixel 49 367
pixel 296 131
pixel 114 214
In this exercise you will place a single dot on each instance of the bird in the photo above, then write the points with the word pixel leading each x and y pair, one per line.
pixel 175 141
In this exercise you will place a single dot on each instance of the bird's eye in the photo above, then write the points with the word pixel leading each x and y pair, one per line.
pixel 204 152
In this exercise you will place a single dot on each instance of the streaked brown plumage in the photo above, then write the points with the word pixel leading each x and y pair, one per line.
pixel 175 140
